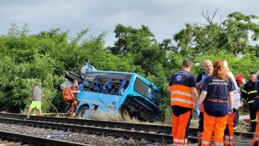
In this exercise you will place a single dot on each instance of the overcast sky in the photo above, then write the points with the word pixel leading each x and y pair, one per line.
pixel 163 17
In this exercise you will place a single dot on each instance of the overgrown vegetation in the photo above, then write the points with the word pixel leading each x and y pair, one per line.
pixel 43 57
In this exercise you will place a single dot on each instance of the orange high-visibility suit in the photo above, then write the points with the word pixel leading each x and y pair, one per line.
pixel 73 103
pixel 201 123
pixel 215 95
pixel 182 104
pixel 256 108
pixel 201 117
pixel 229 131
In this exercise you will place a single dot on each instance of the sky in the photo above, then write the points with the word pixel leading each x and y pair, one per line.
pixel 163 17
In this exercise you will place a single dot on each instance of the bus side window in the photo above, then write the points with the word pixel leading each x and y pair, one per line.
pixel 123 87
pixel 87 84
pixel 113 90
pixel 95 86
pixel 107 87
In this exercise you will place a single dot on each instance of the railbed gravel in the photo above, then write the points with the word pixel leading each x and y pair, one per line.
pixel 84 138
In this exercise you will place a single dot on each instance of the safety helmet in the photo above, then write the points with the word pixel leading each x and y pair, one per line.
pixel 240 79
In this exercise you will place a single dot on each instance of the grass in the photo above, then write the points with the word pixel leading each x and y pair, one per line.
pixel 110 116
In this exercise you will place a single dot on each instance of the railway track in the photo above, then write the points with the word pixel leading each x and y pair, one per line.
pixel 153 133
pixel 14 139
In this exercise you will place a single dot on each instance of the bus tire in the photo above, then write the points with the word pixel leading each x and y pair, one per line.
pixel 81 112
pixel 124 113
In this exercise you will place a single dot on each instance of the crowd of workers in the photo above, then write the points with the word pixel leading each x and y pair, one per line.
pixel 216 97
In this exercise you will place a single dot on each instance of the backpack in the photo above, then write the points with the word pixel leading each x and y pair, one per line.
pixel 67 94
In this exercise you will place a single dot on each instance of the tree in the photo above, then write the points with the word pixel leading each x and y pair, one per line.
pixel 43 58
pixel 235 34
pixel 141 45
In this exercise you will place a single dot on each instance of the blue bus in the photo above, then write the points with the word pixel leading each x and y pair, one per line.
pixel 116 92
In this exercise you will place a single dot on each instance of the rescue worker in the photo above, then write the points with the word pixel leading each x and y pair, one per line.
pixel 208 69
pixel 73 103
pixel 240 79
pixel 229 131
pixel 248 94
pixel 183 99
pixel 256 108
pixel 217 95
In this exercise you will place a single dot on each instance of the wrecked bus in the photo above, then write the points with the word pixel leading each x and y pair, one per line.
pixel 116 92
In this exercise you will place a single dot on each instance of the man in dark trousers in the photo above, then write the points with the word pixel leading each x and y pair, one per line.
pixel 249 94
pixel 208 69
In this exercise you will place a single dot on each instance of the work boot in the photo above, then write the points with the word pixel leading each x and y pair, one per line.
pixel 199 143
pixel 72 115
pixel 255 143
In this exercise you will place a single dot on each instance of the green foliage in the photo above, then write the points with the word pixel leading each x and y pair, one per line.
pixel 141 45
pixel 43 57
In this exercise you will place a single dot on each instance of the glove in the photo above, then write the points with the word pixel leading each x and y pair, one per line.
pixel 203 78
pixel 230 110
pixel 198 106
pixel 197 110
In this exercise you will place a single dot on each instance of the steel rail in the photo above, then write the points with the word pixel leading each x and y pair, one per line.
pixel 26 139
pixel 163 129
pixel 107 131
pixel 150 132
pixel 166 129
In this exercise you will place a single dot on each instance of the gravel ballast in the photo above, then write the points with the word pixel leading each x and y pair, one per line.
pixel 82 137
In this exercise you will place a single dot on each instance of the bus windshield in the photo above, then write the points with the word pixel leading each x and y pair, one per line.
pixel 146 90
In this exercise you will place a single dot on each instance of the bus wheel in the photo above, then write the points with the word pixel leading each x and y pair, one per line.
pixel 125 113
pixel 81 112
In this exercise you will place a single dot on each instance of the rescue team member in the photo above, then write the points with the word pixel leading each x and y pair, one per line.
pixel 217 95
pixel 248 94
pixel 183 99
pixel 240 79
pixel 256 108
pixel 73 103
pixel 36 99
pixel 229 131
pixel 208 69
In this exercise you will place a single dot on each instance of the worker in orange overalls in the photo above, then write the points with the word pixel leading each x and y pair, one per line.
pixel 183 99
pixel 208 69
pixel 229 131
pixel 256 108
pixel 73 103
pixel 217 95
